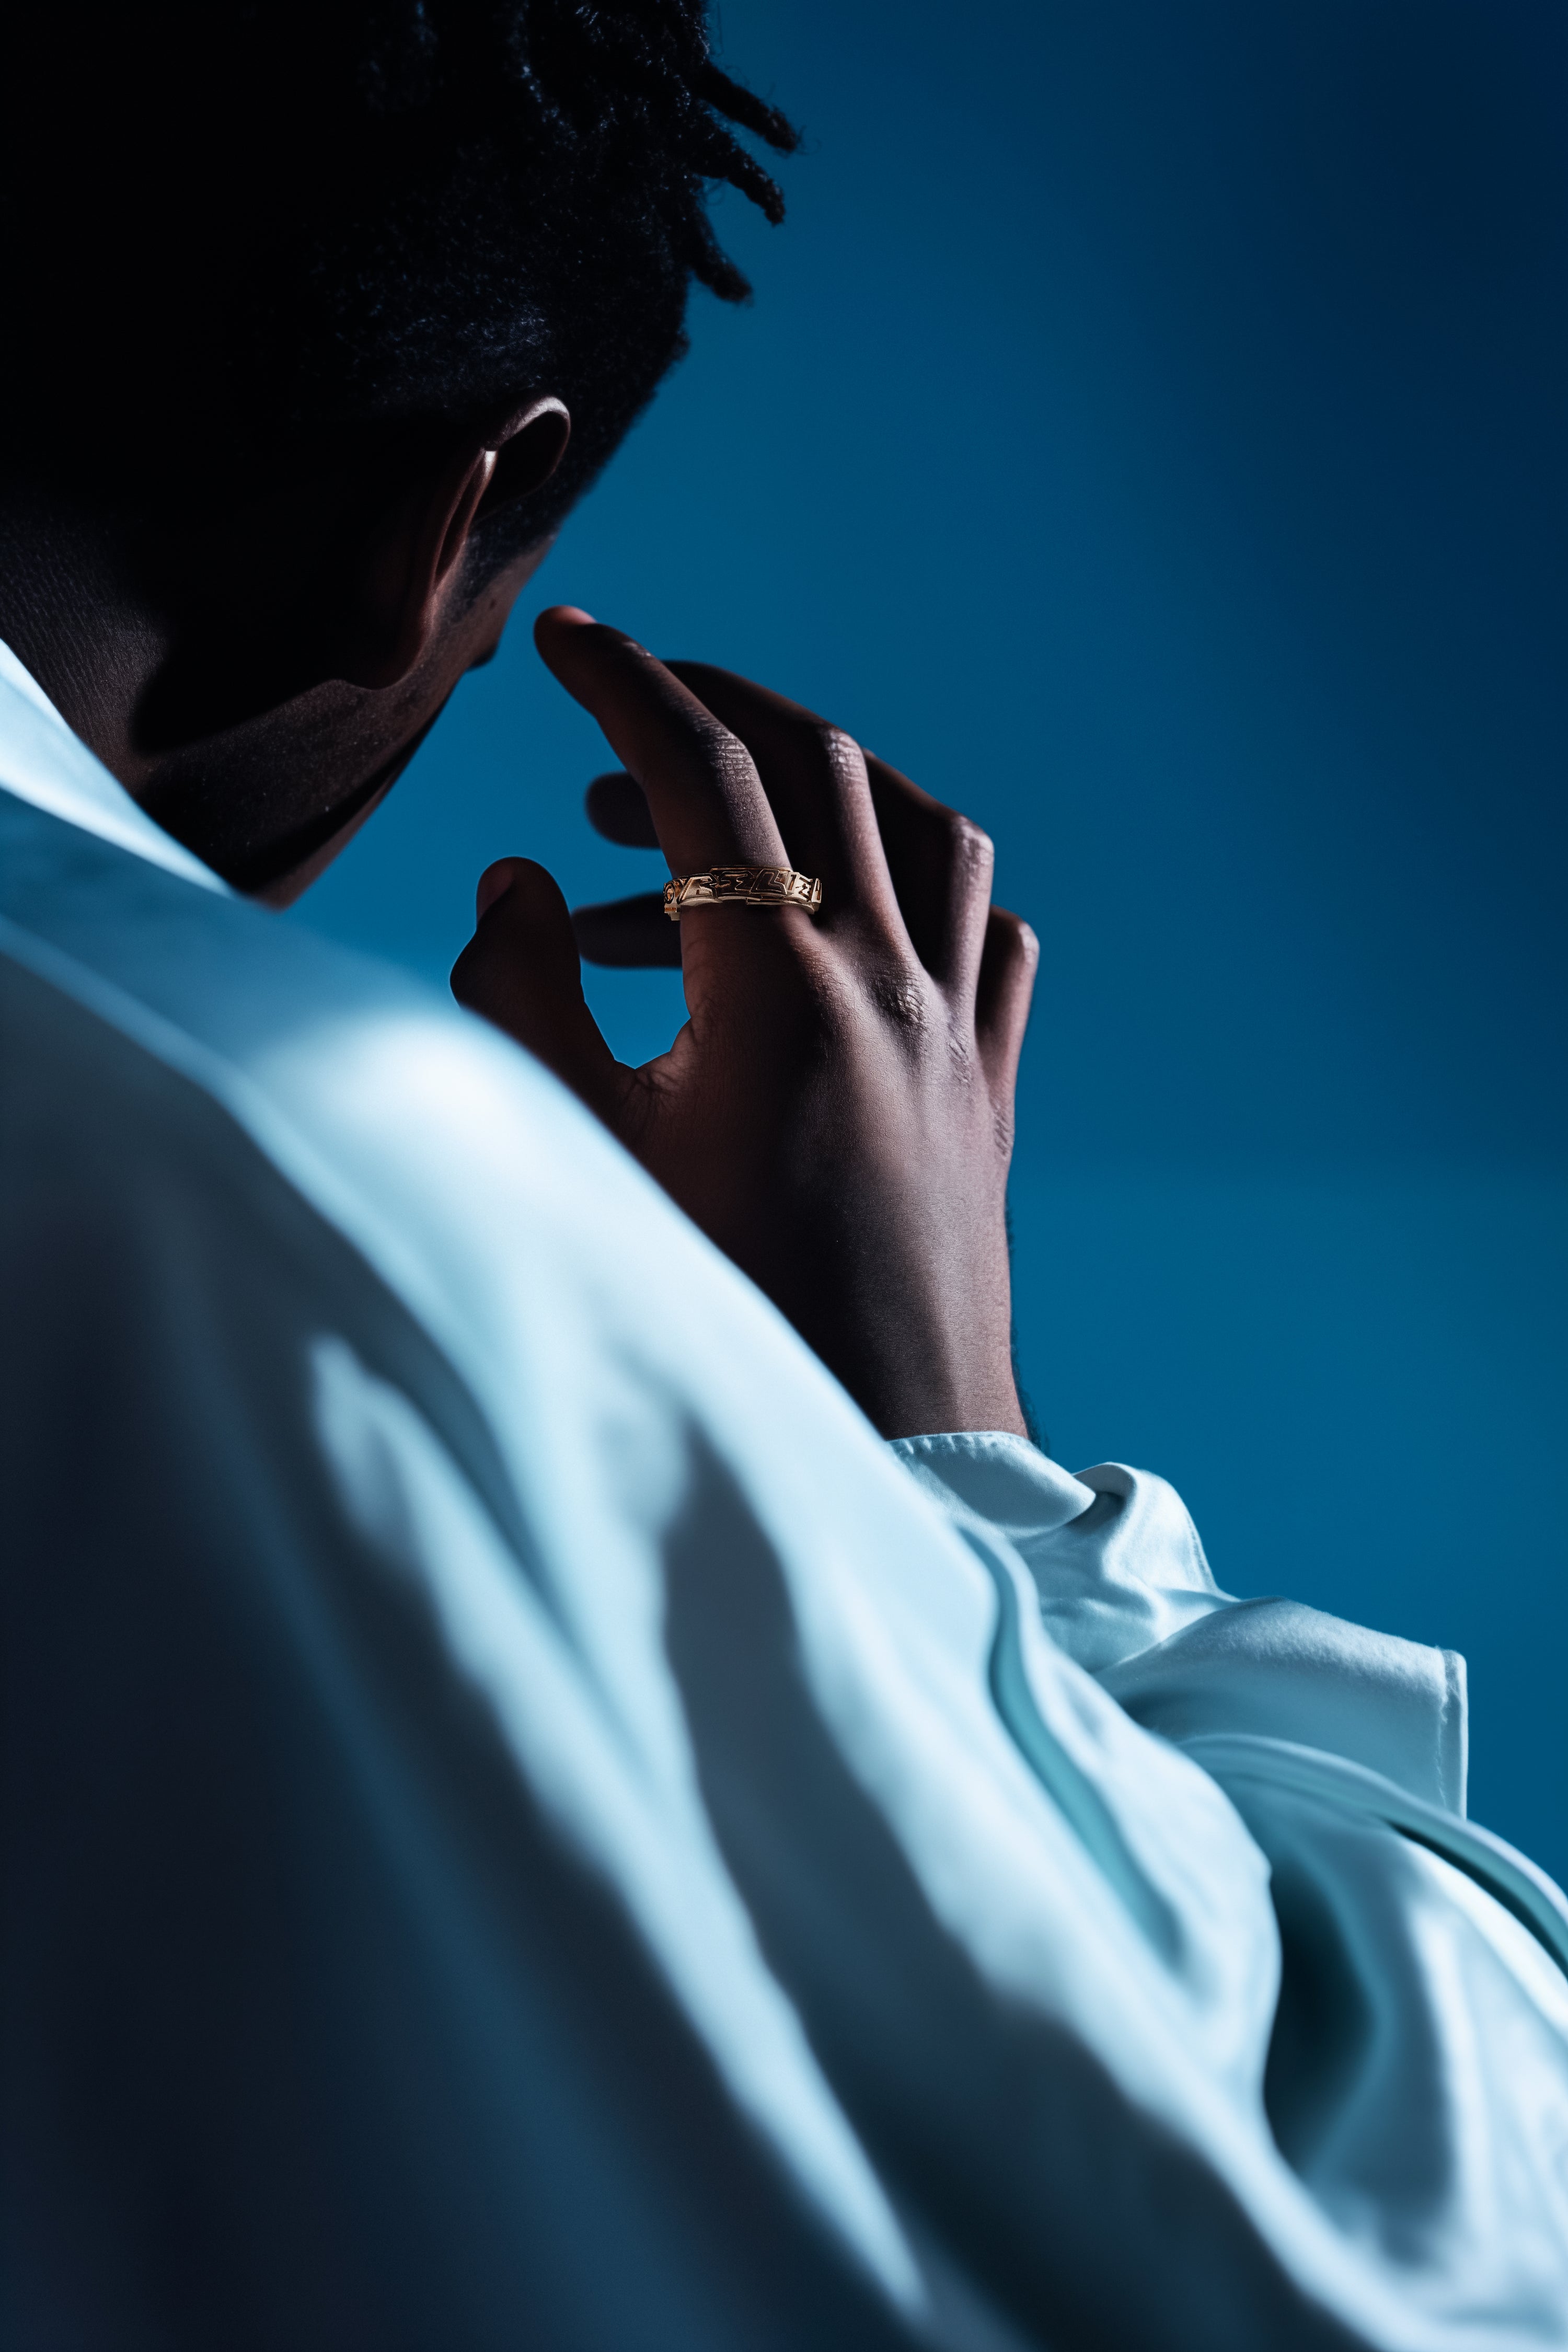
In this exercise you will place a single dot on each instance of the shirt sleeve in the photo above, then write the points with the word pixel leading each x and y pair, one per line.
pixel 1114 1557
pixel 1124 1587
pixel 1409 1939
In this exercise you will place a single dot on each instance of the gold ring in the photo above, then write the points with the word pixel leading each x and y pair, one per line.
pixel 742 886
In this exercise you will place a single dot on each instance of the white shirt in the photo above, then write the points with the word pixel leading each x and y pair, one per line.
pixel 526 1823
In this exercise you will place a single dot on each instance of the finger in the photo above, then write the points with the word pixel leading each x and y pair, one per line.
pixel 628 933
pixel 940 864
pixel 1006 986
pixel 521 970
pixel 702 788
pixel 814 778
pixel 617 808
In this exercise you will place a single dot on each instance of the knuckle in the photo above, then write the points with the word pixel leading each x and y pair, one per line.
pixel 970 847
pixel 732 762
pixel 829 746
pixel 838 749
pixel 1028 946
pixel 1016 939
pixel 901 1003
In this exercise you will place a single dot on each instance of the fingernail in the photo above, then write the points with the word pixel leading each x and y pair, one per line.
pixel 573 613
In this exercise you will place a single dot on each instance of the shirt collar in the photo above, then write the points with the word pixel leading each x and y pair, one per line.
pixel 42 761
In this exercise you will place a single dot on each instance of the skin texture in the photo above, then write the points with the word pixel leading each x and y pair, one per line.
pixel 258 672
pixel 837 1112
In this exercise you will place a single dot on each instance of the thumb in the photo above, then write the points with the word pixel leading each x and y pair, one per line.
pixel 521 970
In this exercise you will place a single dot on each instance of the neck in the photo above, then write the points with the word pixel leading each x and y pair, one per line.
pixel 211 701
pixel 66 614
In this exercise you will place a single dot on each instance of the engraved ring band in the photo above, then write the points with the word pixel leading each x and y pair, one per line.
pixel 742 886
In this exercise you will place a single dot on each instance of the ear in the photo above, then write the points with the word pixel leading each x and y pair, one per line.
pixel 411 558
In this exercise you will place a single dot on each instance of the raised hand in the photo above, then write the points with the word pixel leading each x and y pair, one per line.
pixel 837 1112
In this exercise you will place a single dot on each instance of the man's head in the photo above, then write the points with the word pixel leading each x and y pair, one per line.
pixel 322 317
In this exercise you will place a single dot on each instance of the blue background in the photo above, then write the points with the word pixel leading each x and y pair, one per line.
pixel 1149 432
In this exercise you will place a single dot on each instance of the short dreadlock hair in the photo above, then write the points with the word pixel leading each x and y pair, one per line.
pixel 267 225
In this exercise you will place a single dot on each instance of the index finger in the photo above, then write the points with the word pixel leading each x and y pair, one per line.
pixel 703 791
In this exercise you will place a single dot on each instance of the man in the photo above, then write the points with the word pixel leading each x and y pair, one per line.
pixel 527 1822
